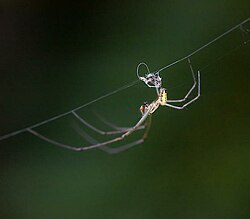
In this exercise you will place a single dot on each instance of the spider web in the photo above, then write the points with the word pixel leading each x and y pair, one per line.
pixel 241 28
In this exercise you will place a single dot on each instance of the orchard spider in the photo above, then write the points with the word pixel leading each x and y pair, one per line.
pixel 147 109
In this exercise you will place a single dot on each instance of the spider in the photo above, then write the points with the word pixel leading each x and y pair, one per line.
pixel 147 109
pixel 151 79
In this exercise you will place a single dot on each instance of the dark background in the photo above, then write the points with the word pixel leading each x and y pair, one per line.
pixel 56 56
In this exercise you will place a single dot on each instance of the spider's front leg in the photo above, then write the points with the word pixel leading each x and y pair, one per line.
pixel 121 148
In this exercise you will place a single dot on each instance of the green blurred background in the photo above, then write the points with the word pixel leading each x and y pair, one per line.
pixel 58 55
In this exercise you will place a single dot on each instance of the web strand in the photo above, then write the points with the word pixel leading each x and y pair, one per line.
pixel 68 112
pixel 206 45
pixel 241 28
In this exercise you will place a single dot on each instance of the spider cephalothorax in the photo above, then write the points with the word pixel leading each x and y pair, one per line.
pixel 162 96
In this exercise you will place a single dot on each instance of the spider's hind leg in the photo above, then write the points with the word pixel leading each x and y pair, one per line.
pixel 189 102
pixel 190 90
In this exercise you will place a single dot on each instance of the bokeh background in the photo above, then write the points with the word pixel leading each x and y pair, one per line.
pixel 56 56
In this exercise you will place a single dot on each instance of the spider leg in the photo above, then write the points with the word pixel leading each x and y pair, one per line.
pixel 108 123
pixel 84 148
pixel 191 89
pixel 98 130
pixel 119 149
pixel 122 148
pixel 189 102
